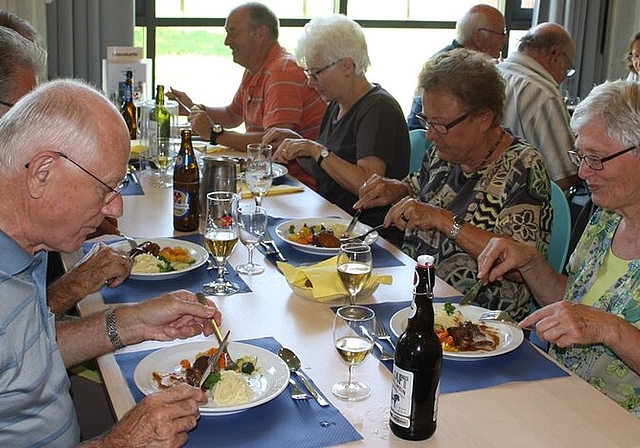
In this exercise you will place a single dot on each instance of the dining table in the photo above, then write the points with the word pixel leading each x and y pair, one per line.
pixel 517 399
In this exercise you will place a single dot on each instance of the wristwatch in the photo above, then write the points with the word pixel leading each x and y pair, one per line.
pixel 458 223
pixel 216 130
pixel 323 155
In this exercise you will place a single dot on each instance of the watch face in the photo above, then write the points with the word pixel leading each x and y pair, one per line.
pixel 217 128
pixel 324 153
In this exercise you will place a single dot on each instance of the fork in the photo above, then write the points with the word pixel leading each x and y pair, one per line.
pixel 296 392
pixel 381 333
pixel 501 316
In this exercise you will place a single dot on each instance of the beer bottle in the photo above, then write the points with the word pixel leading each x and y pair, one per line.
pixel 418 363
pixel 128 108
pixel 186 186
pixel 159 120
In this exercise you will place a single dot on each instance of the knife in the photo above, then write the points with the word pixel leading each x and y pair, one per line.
pixel 214 359
pixel 352 224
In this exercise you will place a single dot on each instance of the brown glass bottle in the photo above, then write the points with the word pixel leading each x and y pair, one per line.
pixel 418 363
pixel 186 187
pixel 128 108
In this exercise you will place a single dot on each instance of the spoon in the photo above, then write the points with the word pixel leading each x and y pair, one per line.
pixel 293 362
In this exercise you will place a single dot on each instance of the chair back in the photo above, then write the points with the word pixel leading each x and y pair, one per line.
pixel 419 142
pixel 560 229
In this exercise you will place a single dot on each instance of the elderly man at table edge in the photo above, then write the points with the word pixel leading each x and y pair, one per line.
pixel 481 28
pixel 534 108
pixel 363 131
pixel 592 316
pixel 22 58
pixel 49 201
pixel 273 92
pixel 476 180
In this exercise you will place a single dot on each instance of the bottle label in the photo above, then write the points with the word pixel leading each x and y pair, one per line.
pixel 181 200
pixel 401 393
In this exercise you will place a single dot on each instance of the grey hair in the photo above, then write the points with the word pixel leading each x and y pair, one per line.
pixel 332 38
pixel 56 116
pixel 617 105
pixel 468 75
pixel 474 18
pixel 260 15
pixel 20 46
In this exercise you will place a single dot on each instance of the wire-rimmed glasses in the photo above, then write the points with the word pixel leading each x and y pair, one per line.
pixel 596 163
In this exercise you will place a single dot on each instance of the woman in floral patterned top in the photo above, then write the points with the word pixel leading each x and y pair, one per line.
pixel 592 317
pixel 476 181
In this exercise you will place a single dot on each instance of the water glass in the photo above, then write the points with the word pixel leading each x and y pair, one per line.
pixel 252 225
pixel 259 171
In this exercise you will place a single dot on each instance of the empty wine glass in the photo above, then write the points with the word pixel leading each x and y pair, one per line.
pixel 252 224
pixel 259 172
pixel 354 265
pixel 353 338
pixel 163 156
pixel 220 238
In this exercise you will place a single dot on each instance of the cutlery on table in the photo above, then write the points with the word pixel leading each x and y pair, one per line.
pixel 214 359
pixel 131 172
pixel 471 295
pixel 382 333
pixel 230 363
pixel 271 247
pixel 296 392
pixel 352 225
pixel 361 237
pixel 384 355
pixel 293 362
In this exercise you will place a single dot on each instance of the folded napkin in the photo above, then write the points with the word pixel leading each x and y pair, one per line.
pixel 274 190
pixel 325 283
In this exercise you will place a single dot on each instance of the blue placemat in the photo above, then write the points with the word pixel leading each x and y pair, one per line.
pixel 132 189
pixel 280 422
pixel 132 291
pixel 382 258
pixel 523 364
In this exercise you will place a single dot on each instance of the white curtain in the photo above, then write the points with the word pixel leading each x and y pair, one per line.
pixel 79 32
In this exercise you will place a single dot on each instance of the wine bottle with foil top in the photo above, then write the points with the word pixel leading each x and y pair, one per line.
pixel 186 187
pixel 128 108
pixel 159 127
pixel 418 363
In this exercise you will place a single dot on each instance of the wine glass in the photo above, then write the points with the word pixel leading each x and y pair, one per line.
pixel 252 225
pixel 354 267
pixel 163 157
pixel 220 238
pixel 353 337
pixel 259 172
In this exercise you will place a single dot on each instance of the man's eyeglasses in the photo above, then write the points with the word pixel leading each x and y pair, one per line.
pixel 571 70
pixel 113 191
pixel 4 103
pixel 439 127
pixel 594 162
pixel 502 33
pixel 313 74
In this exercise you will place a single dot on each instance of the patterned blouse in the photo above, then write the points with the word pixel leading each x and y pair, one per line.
pixel 597 364
pixel 509 196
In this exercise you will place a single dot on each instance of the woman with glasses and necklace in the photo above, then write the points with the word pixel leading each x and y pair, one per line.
pixel 591 316
pixel 476 180
pixel 363 131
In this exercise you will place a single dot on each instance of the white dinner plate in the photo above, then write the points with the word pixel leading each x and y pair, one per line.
pixel 282 230
pixel 279 170
pixel 510 336
pixel 269 382
pixel 196 251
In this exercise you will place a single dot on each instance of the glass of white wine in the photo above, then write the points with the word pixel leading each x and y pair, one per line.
pixel 163 158
pixel 354 265
pixel 353 338
pixel 259 172
pixel 252 225
pixel 220 238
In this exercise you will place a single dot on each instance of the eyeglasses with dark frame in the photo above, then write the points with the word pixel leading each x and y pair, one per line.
pixel 113 191
pixel 502 33
pixel 571 70
pixel 4 103
pixel 439 127
pixel 594 162
pixel 313 74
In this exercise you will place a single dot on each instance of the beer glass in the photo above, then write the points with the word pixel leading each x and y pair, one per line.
pixel 220 238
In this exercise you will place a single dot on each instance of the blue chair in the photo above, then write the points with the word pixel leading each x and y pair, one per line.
pixel 560 229
pixel 419 143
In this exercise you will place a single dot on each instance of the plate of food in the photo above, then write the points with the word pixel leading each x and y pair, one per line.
pixel 263 378
pixel 319 236
pixel 463 337
pixel 163 258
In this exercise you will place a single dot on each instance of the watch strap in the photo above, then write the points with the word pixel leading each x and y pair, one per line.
pixel 112 329
pixel 323 155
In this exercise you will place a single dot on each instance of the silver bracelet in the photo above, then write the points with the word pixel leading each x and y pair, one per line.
pixel 112 329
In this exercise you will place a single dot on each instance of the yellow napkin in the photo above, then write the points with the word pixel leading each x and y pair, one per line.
pixel 274 190
pixel 326 283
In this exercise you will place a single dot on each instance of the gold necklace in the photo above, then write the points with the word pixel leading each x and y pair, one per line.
pixel 491 150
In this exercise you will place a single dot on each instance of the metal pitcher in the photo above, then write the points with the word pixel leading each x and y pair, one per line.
pixel 219 173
